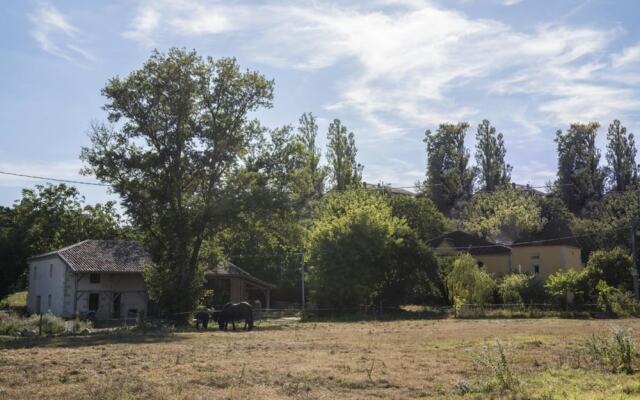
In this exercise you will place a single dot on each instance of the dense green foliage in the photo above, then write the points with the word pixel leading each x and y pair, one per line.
pixel 503 215
pixel 420 214
pixel 565 285
pixel 580 178
pixel 359 253
pixel 621 157
pixel 612 267
pixel 494 172
pixel 449 176
pixel 512 287
pixel 468 284
pixel 47 218
pixel 344 169
pixel 175 157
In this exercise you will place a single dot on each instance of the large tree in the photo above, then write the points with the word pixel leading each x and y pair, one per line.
pixel 345 171
pixel 182 131
pixel 622 169
pixel 449 176
pixel 359 253
pixel 503 216
pixel 315 173
pixel 580 180
pixel 490 152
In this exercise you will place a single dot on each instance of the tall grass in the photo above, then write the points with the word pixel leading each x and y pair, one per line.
pixel 615 351
pixel 496 361
pixel 14 325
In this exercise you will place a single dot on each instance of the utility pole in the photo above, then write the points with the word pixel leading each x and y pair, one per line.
pixel 634 255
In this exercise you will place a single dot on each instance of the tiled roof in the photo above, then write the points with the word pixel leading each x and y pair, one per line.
pixel 474 245
pixel 230 270
pixel 103 256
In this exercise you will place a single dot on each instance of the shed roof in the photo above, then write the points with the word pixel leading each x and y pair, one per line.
pixel 105 256
pixel 230 270
pixel 473 244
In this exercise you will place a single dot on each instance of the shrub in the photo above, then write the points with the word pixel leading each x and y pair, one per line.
pixel 611 299
pixel 512 287
pixel 615 351
pixel 466 283
pixel 14 325
pixel 613 267
pixel 563 283
pixel 495 360
pixel 16 302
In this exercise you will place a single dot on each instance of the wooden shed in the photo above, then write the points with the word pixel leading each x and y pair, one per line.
pixel 231 283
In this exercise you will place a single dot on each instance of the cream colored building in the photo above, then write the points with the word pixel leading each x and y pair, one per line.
pixel 542 254
pixel 492 257
pixel 553 249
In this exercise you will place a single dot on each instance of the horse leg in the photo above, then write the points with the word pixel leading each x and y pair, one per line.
pixel 233 323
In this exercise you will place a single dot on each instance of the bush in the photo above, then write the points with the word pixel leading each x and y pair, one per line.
pixel 512 287
pixel 620 302
pixel 613 267
pixel 564 283
pixel 614 352
pixel 16 302
pixel 468 284
pixel 14 325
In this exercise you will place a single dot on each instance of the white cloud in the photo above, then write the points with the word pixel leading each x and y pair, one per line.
pixel 56 35
pixel 412 63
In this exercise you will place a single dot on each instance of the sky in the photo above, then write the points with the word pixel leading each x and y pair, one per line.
pixel 389 69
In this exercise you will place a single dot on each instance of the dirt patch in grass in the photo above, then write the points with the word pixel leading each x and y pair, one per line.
pixel 396 359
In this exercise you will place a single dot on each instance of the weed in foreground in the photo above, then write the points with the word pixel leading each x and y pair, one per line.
pixel 496 361
pixel 615 351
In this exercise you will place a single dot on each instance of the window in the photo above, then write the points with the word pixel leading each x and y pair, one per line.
pixel 536 269
pixel 38 304
pixel 94 278
pixel 35 272
pixel 49 302
pixel 535 257
pixel 50 270
pixel 94 301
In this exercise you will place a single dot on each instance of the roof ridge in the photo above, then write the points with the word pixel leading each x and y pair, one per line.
pixel 57 251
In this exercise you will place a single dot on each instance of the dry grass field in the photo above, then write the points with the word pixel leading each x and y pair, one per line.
pixel 355 360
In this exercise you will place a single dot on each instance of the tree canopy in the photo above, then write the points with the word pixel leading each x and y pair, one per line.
pixel 580 180
pixel 490 153
pixel 345 171
pixel 182 130
pixel 449 175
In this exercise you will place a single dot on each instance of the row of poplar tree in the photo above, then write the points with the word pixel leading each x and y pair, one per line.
pixel 581 180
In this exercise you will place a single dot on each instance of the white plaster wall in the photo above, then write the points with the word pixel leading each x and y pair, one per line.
pixel 49 280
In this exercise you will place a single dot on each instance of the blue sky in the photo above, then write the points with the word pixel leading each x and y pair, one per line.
pixel 390 69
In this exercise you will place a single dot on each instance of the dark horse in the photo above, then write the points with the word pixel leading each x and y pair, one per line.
pixel 232 312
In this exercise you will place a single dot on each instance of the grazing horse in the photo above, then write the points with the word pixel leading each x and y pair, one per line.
pixel 232 312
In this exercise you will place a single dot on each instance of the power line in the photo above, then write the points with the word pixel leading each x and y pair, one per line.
pixel 55 179
pixel 539 241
